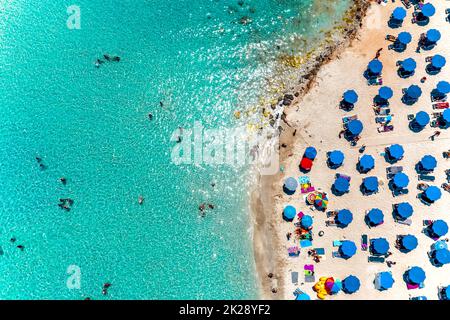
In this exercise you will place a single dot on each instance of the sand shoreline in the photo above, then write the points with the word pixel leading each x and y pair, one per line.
pixel 266 236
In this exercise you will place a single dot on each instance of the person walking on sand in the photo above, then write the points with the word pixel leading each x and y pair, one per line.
pixel 378 54
pixel 435 135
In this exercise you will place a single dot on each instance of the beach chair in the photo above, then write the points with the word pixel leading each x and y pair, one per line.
pixel 331 214
pixel 364 242
pixel 376 259
pixel 422 186
pixel 406 3
pixel 386 128
pixel 330 223
pixel 336 254
pixel 346 120
pixel 446 187
pixel 427 222
pixel 383 111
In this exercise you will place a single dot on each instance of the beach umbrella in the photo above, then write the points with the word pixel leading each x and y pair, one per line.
pixel 375 217
pixel 438 61
pixel 321 201
pixel 433 35
pixel 347 249
pixel 415 275
pixel 351 284
pixel 350 96
pixel 443 87
pixel 428 163
pixel 306 164
pixel 366 163
pixel 371 184
pixel 401 180
pixel 375 66
pixel 384 280
pixel 422 118
pixel 291 184
pixel 409 65
pixel 379 246
pixel 439 228
pixel 396 151
pixel 408 242
pixel 336 157
pixel 311 153
pixel 385 93
pixel 302 296
pixel 433 193
pixel 307 221
pixel 428 10
pixel 344 217
pixel 441 256
pixel 404 210
pixel 289 213
pixel 341 185
pixel 404 37
pixel 399 13
pixel 446 116
pixel 414 92
pixel 355 127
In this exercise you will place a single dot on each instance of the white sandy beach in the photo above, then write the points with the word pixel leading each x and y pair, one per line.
pixel 317 119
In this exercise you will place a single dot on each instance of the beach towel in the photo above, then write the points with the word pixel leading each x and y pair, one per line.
pixel 320 251
pixel 310 279
pixel 294 277
pixel 309 267
pixel 305 243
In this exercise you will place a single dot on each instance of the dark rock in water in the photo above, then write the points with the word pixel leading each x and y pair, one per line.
pixel 287 102
pixel 272 122
pixel 245 20
pixel 241 3
pixel 297 94
pixel 288 96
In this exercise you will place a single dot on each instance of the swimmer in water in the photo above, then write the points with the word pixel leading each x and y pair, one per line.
pixel 141 200
pixel 63 180
pixel 150 116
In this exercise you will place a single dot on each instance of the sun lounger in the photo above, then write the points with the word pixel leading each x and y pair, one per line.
pixel 393 170
pixel 336 254
pixel 427 223
pixel 406 3
pixel 330 223
pixel 376 259
pixel 387 128
pixel 391 38
pixel 426 177
pixel 346 120
pixel 441 105
pixel 407 222
pixel 331 214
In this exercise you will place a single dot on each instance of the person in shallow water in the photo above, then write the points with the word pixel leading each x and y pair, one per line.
pixel 106 286
pixel 141 200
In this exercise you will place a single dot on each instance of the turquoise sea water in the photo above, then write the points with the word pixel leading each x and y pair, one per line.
pixel 91 126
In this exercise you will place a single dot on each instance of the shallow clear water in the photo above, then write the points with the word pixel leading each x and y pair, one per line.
pixel 91 126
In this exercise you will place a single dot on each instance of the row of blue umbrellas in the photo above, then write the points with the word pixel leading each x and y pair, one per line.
pixel 427 10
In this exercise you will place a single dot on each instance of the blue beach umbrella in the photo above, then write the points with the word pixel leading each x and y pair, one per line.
pixel 422 118
pixel 351 96
pixel 341 185
pixel 351 284
pixel 375 217
pixel 414 92
pixel 438 61
pixel 366 163
pixel 307 221
pixel 409 242
pixel 385 93
pixel 404 37
pixel 415 275
pixel 428 163
pixel 404 210
pixel 291 184
pixel 384 280
pixel 433 193
pixel 401 180
pixel 428 10
pixel 443 87
pixel 396 151
pixel 379 246
pixel 433 35
pixel 336 157
pixel 399 13
pixel 355 127
pixel 311 153
pixel 289 213
pixel 409 65
pixel 347 249
pixel 441 256
pixel 371 184
pixel 439 228
pixel 344 217
pixel 375 66
pixel 446 116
